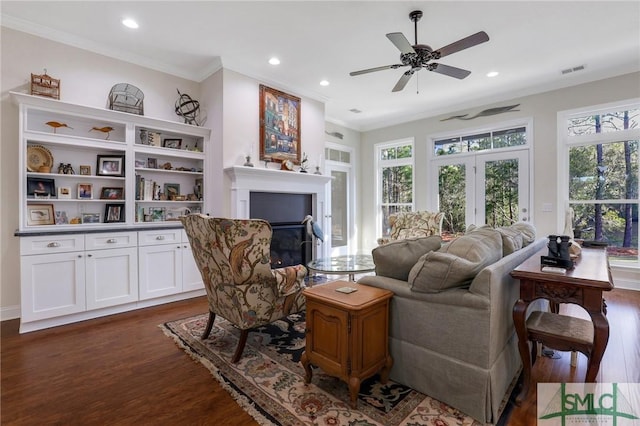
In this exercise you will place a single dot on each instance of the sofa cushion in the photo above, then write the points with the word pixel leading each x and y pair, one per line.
pixel 395 259
pixel 528 232
pixel 512 239
pixel 457 263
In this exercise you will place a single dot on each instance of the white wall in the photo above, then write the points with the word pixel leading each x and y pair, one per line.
pixel 230 100
pixel 241 123
pixel 86 78
pixel 543 108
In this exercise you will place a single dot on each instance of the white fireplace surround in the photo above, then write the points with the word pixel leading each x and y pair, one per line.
pixel 245 180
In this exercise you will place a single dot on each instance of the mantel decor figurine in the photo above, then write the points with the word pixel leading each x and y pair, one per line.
pixel 304 164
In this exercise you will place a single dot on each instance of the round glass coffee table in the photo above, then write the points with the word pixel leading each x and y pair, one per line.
pixel 343 265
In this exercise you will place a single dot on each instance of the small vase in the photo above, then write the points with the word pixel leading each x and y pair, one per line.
pixel 248 163
pixel 317 172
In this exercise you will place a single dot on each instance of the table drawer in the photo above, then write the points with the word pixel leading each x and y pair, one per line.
pixel 160 236
pixel 111 240
pixel 48 244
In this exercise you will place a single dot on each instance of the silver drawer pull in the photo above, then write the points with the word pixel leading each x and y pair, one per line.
pixel 112 241
pixel 54 244
pixel 160 237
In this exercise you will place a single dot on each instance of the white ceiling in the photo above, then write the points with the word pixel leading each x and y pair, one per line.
pixel 530 43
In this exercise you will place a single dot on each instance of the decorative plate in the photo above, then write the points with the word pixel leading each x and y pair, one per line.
pixel 38 156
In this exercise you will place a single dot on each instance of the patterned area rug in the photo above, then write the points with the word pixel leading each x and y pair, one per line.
pixel 268 381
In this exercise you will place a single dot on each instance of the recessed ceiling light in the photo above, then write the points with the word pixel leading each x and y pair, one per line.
pixel 492 74
pixel 274 61
pixel 324 83
pixel 130 23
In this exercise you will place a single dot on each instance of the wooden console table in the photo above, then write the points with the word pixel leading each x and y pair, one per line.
pixel 347 334
pixel 582 285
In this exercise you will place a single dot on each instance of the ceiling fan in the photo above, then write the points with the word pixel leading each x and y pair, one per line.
pixel 420 56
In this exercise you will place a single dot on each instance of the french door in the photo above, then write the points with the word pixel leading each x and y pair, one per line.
pixel 488 188
pixel 341 221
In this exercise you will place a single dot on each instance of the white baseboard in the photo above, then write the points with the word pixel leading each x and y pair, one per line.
pixel 625 277
pixel 9 312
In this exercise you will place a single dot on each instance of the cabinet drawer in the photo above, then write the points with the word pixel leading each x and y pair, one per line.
pixel 111 240
pixel 47 244
pixel 160 236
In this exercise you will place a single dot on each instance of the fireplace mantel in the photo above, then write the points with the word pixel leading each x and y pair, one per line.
pixel 245 180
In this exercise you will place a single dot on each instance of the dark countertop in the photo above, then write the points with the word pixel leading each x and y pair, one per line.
pixel 83 230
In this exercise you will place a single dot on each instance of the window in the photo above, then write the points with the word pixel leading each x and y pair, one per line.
pixel 496 139
pixel 395 193
pixel 482 175
pixel 602 169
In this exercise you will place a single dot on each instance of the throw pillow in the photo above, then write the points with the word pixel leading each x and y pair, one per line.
pixel 396 258
pixel 456 264
pixel 512 239
pixel 528 232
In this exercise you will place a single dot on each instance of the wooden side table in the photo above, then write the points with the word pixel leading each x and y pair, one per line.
pixel 582 285
pixel 347 334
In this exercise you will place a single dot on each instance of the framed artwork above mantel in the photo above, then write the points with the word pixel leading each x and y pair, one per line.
pixel 279 126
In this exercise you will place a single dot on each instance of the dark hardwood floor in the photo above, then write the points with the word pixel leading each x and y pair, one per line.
pixel 122 370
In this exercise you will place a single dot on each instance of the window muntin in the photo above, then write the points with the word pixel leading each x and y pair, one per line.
pixel 603 170
pixel 497 139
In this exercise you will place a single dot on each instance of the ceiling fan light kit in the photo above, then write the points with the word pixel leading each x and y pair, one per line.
pixel 419 56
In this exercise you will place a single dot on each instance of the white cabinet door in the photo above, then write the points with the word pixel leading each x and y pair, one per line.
pixel 52 285
pixel 191 278
pixel 112 277
pixel 160 270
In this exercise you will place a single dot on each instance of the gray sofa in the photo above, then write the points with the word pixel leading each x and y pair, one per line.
pixel 451 330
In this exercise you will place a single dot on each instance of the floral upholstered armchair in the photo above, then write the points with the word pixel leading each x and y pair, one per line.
pixel 413 224
pixel 233 257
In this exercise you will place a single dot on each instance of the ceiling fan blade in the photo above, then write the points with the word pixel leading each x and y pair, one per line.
pixel 385 67
pixel 403 81
pixel 458 73
pixel 465 43
pixel 401 42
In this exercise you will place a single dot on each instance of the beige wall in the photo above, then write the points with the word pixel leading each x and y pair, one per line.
pixel 542 108
pixel 229 99
pixel 241 126
pixel 86 79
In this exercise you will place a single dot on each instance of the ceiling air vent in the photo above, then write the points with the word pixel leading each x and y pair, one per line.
pixel 355 110
pixel 574 69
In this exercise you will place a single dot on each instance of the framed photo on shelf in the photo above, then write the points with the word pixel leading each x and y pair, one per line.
pixel 40 214
pixel 279 126
pixel 171 190
pixel 172 143
pixel 64 192
pixel 156 214
pixel 141 164
pixel 85 170
pixel 152 163
pixel 90 217
pixel 40 187
pixel 112 193
pixel 85 191
pixel 61 217
pixel 114 213
pixel 110 165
